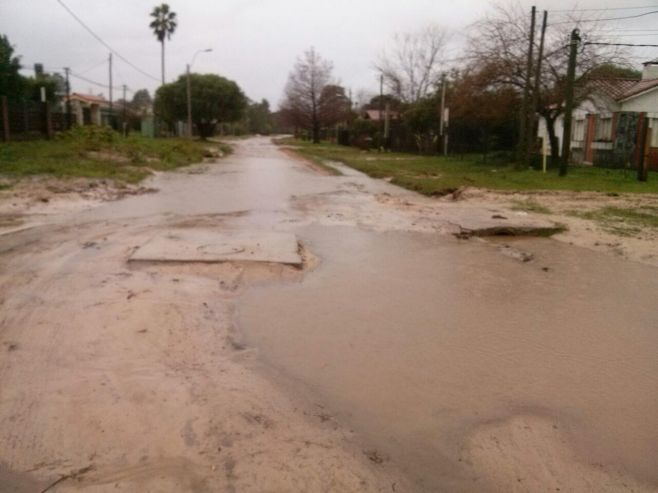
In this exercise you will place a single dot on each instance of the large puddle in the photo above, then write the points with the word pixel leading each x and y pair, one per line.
pixel 420 342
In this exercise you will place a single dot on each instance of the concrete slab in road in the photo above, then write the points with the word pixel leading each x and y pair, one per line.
pixel 226 246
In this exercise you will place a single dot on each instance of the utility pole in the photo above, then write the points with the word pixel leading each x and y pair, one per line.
pixel 68 99
pixel 189 90
pixel 381 106
pixel 523 140
pixel 442 123
pixel 535 95
pixel 642 165
pixel 387 125
pixel 111 102
pixel 568 105
pixel 125 103
pixel 189 103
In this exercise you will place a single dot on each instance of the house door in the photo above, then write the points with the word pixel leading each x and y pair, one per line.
pixel 86 116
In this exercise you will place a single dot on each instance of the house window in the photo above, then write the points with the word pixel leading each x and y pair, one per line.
pixel 603 128
pixel 579 130
pixel 654 132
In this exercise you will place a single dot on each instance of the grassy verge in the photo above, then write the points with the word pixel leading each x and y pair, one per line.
pixel 530 206
pixel 437 175
pixel 95 152
pixel 622 221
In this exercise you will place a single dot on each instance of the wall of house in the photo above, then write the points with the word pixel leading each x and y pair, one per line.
pixel 644 102
pixel 650 71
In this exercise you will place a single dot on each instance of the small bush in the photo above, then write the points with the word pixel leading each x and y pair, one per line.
pixel 90 137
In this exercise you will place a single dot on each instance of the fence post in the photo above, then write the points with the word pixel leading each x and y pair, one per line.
pixel 5 118
pixel 47 121
pixel 642 165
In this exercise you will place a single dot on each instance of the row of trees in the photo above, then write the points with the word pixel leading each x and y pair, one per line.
pixel 485 84
pixel 17 87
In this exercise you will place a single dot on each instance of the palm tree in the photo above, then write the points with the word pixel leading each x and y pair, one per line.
pixel 163 25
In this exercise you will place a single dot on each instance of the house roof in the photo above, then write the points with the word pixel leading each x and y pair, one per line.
pixel 641 86
pixel 374 114
pixel 90 98
pixel 620 89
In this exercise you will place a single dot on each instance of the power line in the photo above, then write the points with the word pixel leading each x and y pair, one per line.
pixel 605 9
pixel 630 35
pixel 90 81
pixel 617 44
pixel 578 21
pixel 102 62
pixel 100 40
pixel 628 30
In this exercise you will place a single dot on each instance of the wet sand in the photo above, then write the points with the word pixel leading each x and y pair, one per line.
pixel 471 370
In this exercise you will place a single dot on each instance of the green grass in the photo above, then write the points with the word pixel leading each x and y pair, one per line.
pixel 437 175
pixel 99 153
pixel 530 205
pixel 622 221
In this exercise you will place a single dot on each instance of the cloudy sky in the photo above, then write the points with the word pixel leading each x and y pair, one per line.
pixel 255 42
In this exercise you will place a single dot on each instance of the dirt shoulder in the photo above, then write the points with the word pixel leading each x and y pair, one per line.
pixel 623 225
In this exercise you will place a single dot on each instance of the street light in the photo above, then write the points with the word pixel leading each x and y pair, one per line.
pixel 189 91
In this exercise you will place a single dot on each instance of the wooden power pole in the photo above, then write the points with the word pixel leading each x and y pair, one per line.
pixel 568 105
pixel 442 116
pixel 535 93
pixel 111 102
pixel 523 120
pixel 68 99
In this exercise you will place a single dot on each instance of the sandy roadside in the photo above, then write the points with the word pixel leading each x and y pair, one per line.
pixel 619 238
pixel 148 386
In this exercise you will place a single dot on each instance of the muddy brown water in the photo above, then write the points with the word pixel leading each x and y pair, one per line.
pixel 418 341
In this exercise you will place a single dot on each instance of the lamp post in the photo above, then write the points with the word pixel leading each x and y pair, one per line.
pixel 189 91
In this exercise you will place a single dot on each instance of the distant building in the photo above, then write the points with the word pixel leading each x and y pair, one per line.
pixel 89 109
pixel 376 115
pixel 606 127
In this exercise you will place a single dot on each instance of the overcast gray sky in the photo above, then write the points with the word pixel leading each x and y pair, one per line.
pixel 256 42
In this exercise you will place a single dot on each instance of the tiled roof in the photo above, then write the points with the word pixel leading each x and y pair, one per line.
pixel 641 86
pixel 90 98
pixel 619 89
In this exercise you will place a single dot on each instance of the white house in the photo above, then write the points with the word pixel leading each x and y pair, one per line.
pixel 606 127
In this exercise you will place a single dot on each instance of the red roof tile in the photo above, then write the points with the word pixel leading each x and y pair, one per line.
pixel 619 89
pixel 90 98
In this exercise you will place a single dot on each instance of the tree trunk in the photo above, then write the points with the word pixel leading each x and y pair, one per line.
pixel 315 128
pixel 162 51
pixel 552 139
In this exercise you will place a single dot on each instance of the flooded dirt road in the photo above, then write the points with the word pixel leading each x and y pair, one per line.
pixel 472 371
pixel 397 358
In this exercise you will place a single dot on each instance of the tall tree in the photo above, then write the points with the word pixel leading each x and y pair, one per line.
pixel 306 82
pixel 334 105
pixel 498 46
pixel 164 24
pixel 412 68
pixel 215 99
pixel 12 84
pixel 141 101
pixel 258 118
